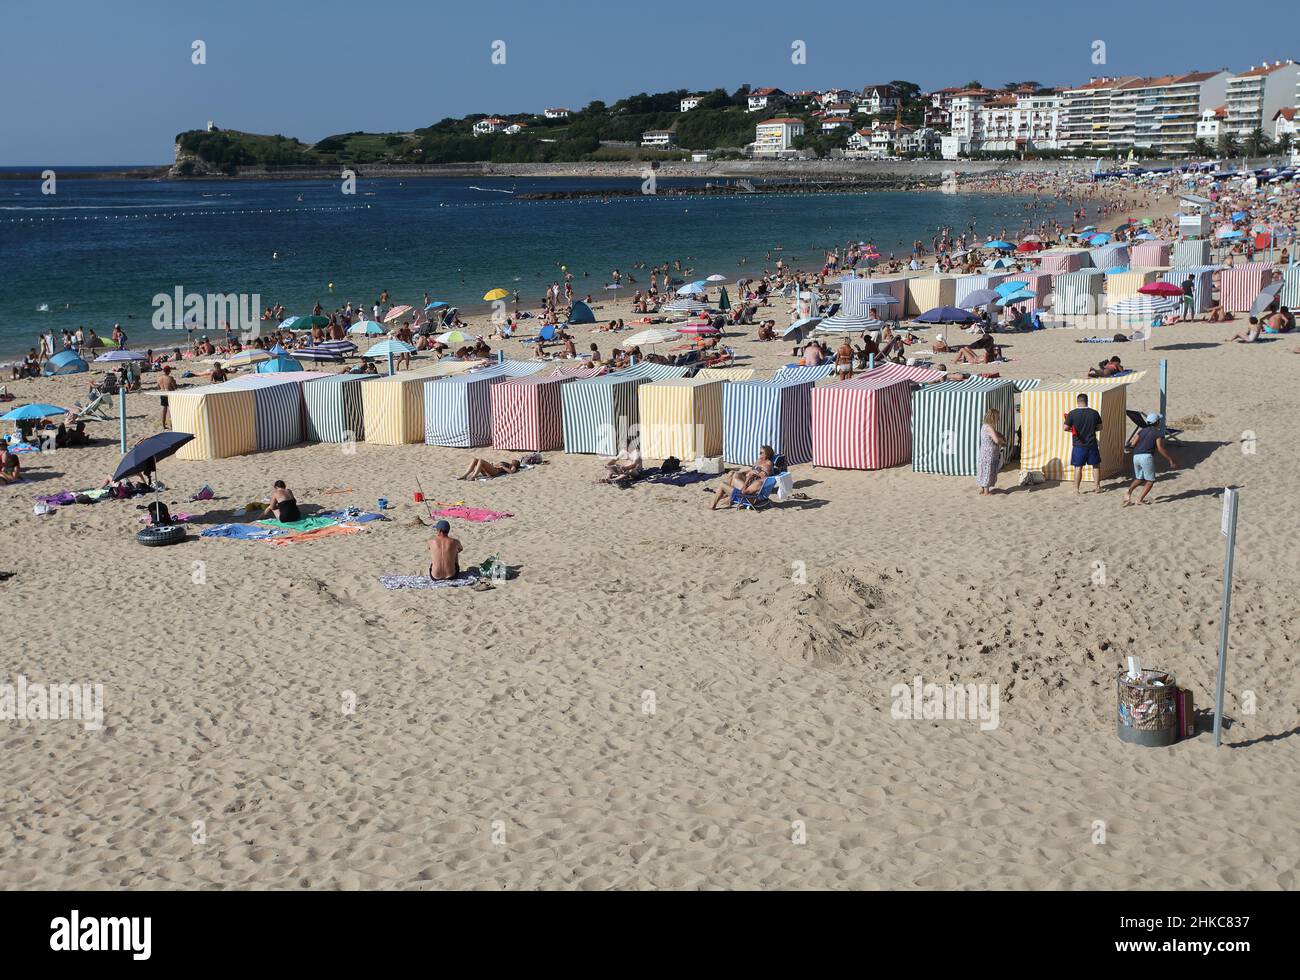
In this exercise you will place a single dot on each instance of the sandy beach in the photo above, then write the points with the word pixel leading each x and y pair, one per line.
pixel 664 696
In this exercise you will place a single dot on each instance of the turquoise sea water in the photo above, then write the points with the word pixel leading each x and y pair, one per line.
pixel 98 251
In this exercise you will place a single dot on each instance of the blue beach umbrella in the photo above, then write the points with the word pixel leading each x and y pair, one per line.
pixel 1099 239
pixel 946 314
pixel 390 347
pixel 1009 287
pixel 368 328
pixel 998 244
pixel 998 263
pixel 120 355
pixel 435 305
pixel 144 455
pixel 1020 296
pixel 1115 270
pixel 25 413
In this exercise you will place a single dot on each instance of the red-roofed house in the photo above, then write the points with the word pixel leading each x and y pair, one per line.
pixel 761 99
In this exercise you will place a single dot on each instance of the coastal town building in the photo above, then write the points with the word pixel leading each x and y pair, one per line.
pixel 691 102
pixel 761 99
pixel 1085 114
pixel 1210 124
pixel 488 125
pixel 662 139
pixel 1160 114
pixel 879 99
pixel 773 136
pixel 984 121
pixel 833 96
pixel 1284 123
pixel 560 113
pixel 514 129
pixel 1254 96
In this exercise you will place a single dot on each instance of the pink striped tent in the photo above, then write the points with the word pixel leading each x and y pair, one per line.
pixel 1038 283
pixel 1148 255
pixel 577 369
pixel 1063 261
pixel 862 424
pixel 889 373
pixel 1239 285
pixel 528 413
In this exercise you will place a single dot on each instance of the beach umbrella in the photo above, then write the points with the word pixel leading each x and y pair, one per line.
pixel 279 364
pixel 800 328
pixel 699 329
pixel 879 299
pixel 1161 289
pixel 1265 297
pixel 998 245
pixel 304 322
pixel 145 454
pixel 1019 296
pixel 435 305
pixel 390 347
pixel 1009 287
pixel 843 322
pixel 25 413
pixel 1143 306
pixel 1028 246
pixel 981 297
pixel 1145 236
pixel 1234 233
pixel 318 354
pixel 452 337
pixel 120 355
pixel 652 336
pixel 368 328
pixel 716 278
pixel 1098 239
pixel 1239 216
pixel 396 313
pixel 684 306
pixel 1088 228
pixel 494 294
pixel 246 357
pixel 946 314
pixel 998 263
pixel 699 286
pixel 724 301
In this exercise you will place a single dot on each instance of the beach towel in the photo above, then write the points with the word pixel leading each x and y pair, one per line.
pixel 327 531
pixel 476 514
pixel 247 532
pixel 680 479
pixel 313 523
pixel 424 582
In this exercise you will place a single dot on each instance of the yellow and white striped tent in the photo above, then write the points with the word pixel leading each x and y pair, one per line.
pixel 392 409
pixel 681 417
pixel 223 421
pixel 927 292
pixel 1132 377
pixel 726 374
pixel 1045 443
pixel 1125 285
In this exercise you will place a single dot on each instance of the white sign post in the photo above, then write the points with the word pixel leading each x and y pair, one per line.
pixel 1228 528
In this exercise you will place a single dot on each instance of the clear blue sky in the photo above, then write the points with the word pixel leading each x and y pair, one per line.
pixel 95 82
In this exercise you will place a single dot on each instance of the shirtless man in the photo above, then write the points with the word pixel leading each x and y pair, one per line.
pixel 283 504
pixel 165 384
pixel 749 480
pixel 11 470
pixel 444 554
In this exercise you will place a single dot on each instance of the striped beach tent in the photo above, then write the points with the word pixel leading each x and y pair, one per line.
pixel 1240 284
pixel 1291 287
pixel 528 413
pixel 973 284
pixel 575 369
pixel 1149 254
pixel 767 413
pixel 1202 284
pixel 1078 293
pixel 457 409
pixel 1026 384
pixel 1108 256
pixel 1124 285
pixel 1190 252
pixel 685 306
pixel 222 419
pixel 848 322
pixel 726 374
pixel 520 369
pixel 333 408
pixel 947 419
pixel 681 417
pixel 891 372
pixel 1058 261
pixel 1045 444
pixel 393 407
pixel 600 413
pixel 854 292
pixel 1127 378
pixel 927 292
pixel 862 423
pixel 1038 283
pixel 278 406
pixel 800 373
pixel 1142 307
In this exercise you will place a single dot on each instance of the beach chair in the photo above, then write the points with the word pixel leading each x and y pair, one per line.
pixel 780 482
pixel 92 411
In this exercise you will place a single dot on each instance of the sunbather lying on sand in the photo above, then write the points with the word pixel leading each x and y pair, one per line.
pixel 483 468
pixel 748 480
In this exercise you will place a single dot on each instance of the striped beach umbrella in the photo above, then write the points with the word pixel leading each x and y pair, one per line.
pixel 318 353
pixel 843 322
pixel 367 328
pixel 389 348
pixel 1144 306
pixel 396 313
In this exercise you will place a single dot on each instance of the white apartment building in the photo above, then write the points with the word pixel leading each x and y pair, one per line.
pixel 691 102
pixel 489 125
pixel 966 106
pixel 1161 114
pixel 1210 124
pixel 765 98
pixel 777 135
pixel 1254 97
pixel 560 113
pixel 661 139
pixel 1000 122
pixel 1085 114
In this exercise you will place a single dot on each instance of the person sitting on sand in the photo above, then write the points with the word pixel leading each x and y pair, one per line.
pixel 982 351
pixel 11 470
pixel 813 354
pixel 627 463
pixel 283 504
pixel 1106 369
pixel 444 554
pixel 483 468
pixel 1249 337
pixel 748 480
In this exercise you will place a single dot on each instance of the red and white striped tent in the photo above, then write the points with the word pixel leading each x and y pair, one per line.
pixel 1239 285
pixel 1063 261
pixel 1038 283
pixel 864 423
pixel 528 413
pixel 890 372
pixel 1145 255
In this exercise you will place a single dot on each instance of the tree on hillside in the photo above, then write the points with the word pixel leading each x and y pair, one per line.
pixel 974 84
pixel 907 91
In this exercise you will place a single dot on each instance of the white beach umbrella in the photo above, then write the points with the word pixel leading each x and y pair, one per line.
pixel 652 336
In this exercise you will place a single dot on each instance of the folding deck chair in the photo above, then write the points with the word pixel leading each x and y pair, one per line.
pixel 780 482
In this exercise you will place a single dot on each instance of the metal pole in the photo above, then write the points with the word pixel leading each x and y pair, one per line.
pixel 121 415
pixel 871 362
pixel 1228 528
pixel 1164 393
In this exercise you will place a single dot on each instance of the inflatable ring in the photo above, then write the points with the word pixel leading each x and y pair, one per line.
pixel 161 534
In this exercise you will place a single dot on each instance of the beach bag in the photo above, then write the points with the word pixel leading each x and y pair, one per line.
pixel 671 465
pixel 158 513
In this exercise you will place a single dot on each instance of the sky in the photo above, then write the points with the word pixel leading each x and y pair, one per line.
pixel 85 82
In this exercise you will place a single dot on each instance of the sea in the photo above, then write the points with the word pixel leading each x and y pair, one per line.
pixel 100 251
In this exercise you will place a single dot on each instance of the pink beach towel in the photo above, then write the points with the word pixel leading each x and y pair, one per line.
pixel 476 514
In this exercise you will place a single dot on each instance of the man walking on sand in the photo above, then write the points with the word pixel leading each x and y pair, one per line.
pixel 165 384
pixel 1084 423
pixel 444 554
pixel 1146 442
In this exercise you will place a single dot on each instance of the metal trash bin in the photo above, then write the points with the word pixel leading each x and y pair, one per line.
pixel 1147 712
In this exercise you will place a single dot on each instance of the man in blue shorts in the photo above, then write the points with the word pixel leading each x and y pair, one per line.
pixel 1146 442
pixel 1084 423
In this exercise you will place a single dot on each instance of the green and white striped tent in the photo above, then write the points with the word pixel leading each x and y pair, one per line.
pixel 946 420
pixel 600 412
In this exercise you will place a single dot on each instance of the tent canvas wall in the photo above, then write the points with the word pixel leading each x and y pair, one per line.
pixel 458 409
pixel 393 407
pixel 580 312
pixel 797 372
pixel 222 420
pixel 853 291
pixel 892 372
pixel 681 417
pixel 1058 262
pixel 1149 254
pixel 862 423
pixel 1105 257
pixel 1078 293
pixel 333 408
pixel 1190 253
pixel 1038 283
pixel 927 292
pixel 970 284
pixel 1202 284
pixel 65 362
pixel 947 419
pixel 726 374
pixel 600 413
pixel 1239 285
pixel 1046 444
pixel 1124 285
pixel 767 413
pixel 1291 287
pixel 528 413
pixel 278 406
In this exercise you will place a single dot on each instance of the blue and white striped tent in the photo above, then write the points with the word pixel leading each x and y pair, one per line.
pixel 972 284
pixel 799 373
pixel 1109 256
pixel 278 405
pixel 854 292
pixel 946 422
pixel 848 322
pixel 333 407
pixel 1202 283
pixel 1078 293
pixel 599 413
pixel 774 413
pixel 1189 253
pixel 458 409
pixel 1291 287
